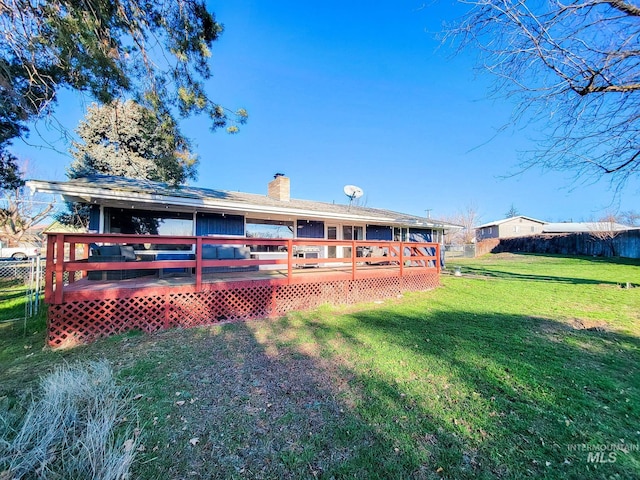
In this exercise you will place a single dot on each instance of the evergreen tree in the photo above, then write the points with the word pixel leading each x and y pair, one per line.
pixel 10 176
pixel 154 52
pixel 129 140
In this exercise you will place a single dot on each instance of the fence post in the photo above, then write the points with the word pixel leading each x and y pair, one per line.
pixel 38 283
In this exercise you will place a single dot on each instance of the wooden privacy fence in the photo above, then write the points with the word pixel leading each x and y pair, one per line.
pixel 601 244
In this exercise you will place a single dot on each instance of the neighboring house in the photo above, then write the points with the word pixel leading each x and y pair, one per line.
pixel 519 226
pixel 133 206
pixel 58 227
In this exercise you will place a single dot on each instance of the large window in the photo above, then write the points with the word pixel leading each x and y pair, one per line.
pixel 143 222
pixel 257 228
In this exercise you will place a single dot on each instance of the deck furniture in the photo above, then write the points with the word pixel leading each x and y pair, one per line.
pixel 163 272
pixel 227 252
pixel 115 253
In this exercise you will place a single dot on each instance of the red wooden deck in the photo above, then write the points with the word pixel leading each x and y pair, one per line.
pixel 81 310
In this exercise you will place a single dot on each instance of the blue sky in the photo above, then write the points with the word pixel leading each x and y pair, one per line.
pixel 359 93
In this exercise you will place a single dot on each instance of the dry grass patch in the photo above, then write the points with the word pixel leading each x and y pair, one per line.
pixel 77 426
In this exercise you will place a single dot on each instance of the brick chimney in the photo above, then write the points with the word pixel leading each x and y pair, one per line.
pixel 280 188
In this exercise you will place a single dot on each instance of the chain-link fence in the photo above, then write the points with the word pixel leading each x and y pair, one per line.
pixel 460 251
pixel 31 272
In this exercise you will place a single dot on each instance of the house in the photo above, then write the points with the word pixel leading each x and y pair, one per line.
pixel 133 206
pixel 164 256
pixel 518 226
pixel 527 235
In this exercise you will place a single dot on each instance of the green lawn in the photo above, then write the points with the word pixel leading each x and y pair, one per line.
pixel 524 367
pixel 12 299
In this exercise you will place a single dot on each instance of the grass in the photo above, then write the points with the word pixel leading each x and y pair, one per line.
pixel 12 299
pixel 80 426
pixel 521 368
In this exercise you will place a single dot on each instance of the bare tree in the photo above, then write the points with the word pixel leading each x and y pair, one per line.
pixel 19 212
pixel 605 231
pixel 512 212
pixel 574 66
pixel 467 218
pixel 630 218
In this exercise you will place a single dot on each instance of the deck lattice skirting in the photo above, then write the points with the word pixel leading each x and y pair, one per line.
pixel 127 294
pixel 85 320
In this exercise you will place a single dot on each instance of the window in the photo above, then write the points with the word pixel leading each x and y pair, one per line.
pixel 350 232
pixel 269 228
pixel 332 234
pixel 400 234
pixel 143 222
pixel 258 228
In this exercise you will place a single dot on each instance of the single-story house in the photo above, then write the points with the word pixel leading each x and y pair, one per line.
pixel 158 256
pixel 134 206
pixel 518 226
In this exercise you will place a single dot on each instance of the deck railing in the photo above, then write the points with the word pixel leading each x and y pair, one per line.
pixel 68 257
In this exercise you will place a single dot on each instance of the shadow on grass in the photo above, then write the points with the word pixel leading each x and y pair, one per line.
pixel 490 396
pixel 256 410
pixel 400 392
pixel 492 272
pixel 386 394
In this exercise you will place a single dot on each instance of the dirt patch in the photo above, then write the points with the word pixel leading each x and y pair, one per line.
pixel 557 331
pixel 590 325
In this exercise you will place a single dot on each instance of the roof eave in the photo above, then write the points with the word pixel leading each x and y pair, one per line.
pixel 90 194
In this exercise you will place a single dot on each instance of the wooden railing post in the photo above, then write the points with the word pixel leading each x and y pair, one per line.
pixel 198 264
pixel 289 260
pixel 401 259
pixel 72 258
pixel 353 259
pixel 49 267
pixel 59 269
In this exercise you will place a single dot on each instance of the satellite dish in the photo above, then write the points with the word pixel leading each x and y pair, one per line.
pixel 352 191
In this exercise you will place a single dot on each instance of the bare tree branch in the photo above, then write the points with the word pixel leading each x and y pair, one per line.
pixel 574 68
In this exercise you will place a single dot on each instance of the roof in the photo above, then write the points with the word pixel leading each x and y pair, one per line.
pixel 139 193
pixel 505 220
pixel 58 227
pixel 575 227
